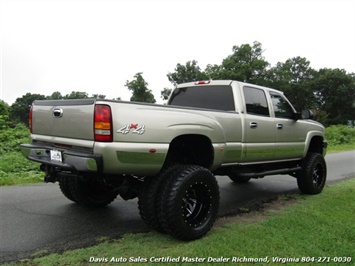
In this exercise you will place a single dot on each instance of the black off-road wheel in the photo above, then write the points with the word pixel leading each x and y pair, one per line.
pixel 91 192
pixel 239 179
pixel 150 196
pixel 189 203
pixel 311 179
pixel 65 187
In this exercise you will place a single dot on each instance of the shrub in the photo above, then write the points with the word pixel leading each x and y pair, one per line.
pixel 11 138
pixel 339 134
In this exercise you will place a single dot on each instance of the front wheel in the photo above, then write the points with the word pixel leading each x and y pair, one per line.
pixel 189 203
pixel 311 179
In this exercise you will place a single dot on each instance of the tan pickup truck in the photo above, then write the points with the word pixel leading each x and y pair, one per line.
pixel 168 155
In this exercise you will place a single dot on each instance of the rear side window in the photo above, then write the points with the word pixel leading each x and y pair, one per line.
pixel 255 101
pixel 207 97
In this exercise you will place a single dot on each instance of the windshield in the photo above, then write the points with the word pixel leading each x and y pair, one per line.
pixel 207 97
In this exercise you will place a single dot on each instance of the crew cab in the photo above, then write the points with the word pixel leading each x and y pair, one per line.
pixel 168 155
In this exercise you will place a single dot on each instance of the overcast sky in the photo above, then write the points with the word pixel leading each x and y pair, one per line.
pixel 96 46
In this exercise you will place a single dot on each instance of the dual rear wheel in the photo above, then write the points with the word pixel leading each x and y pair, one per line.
pixel 182 201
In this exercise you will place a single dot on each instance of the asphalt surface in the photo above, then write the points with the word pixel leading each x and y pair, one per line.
pixel 37 218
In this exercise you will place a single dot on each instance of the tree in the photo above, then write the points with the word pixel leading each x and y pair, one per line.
pixel 294 77
pixel 20 109
pixel 335 90
pixel 186 73
pixel 76 95
pixel 165 93
pixel 140 91
pixel 98 96
pixel 55 96
pixel 214 71
pixel 246 63
pixel 4 114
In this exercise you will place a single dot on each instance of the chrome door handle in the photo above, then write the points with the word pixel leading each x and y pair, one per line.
pixel 279 126
pixel 253 124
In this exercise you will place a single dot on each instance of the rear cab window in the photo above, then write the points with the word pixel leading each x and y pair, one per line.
pixel 216 97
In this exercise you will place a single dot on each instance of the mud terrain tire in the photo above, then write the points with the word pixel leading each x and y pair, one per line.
pixel 150 196
pixel 65 187
pixel 311 179
pixel 189 203
pixel 91 192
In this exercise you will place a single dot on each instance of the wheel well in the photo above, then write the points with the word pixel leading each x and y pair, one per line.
pixel 191 149
pixel 316 145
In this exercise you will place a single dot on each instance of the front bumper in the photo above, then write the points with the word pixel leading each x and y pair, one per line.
pixel 72 161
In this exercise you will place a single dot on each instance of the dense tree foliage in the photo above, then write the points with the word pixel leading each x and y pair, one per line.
pixel 55 96
pixel 139 88
pixel 4 114
pixel 187 73
pixel 328 92
pixel 76 95
pixel 335 94
pixel 294 78
pixel 246 63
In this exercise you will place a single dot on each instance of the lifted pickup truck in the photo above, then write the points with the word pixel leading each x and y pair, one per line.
pixel 168 155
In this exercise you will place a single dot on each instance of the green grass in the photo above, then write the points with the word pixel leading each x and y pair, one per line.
pixel 14 168
pixel 304 226
pixel 17 170
pixel 341 147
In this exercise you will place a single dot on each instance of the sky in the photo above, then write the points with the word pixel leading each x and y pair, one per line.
pixel 95 46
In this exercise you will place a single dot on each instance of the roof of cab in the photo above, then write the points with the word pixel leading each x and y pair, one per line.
pixel 223 82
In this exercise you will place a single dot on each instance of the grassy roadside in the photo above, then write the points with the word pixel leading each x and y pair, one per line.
pixel 341 147
pixel 297 227
pixel 16 170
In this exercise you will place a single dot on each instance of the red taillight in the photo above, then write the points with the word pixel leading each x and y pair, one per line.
pixel 103 123
pixel 202 82
pixel 30 119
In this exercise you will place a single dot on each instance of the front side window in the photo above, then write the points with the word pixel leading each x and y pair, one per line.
pixel 282 108
pixel 255 101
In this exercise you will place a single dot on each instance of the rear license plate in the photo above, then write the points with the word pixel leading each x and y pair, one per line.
pixel 56 156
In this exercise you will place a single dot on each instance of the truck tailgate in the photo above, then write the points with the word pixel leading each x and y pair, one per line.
pixel 68 119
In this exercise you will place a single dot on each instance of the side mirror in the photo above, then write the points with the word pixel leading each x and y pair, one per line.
pixel 307 114
pixel 297 116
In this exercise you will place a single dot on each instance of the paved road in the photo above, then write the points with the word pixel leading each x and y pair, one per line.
pixel 38 217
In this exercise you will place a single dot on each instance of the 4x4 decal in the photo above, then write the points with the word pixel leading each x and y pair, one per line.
pixel 136 129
